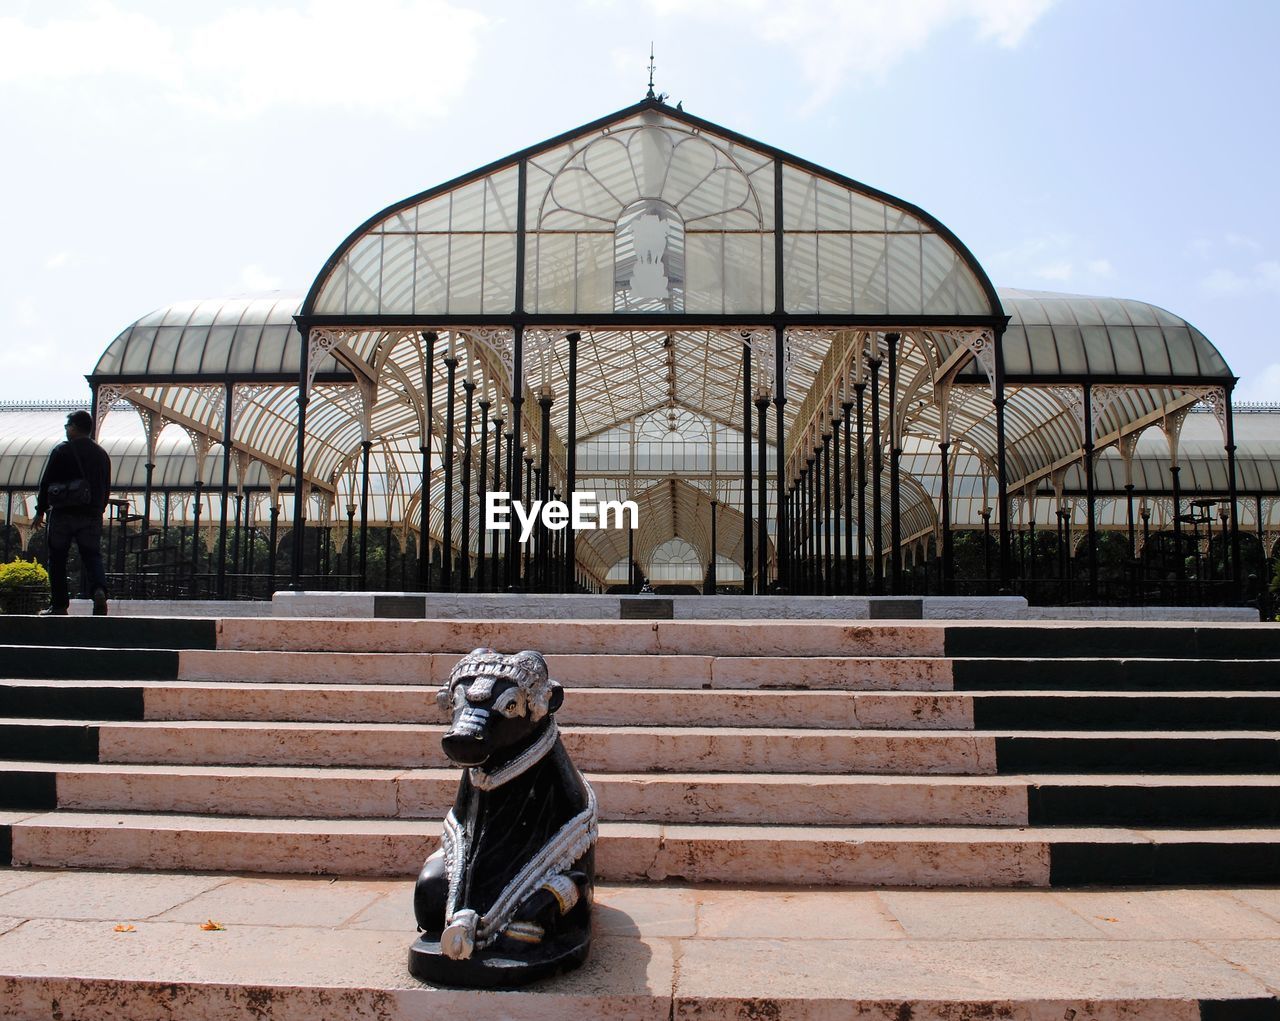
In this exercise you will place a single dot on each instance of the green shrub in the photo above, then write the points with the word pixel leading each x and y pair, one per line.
pixel 24 587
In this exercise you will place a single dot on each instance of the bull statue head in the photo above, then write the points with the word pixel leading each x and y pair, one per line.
pixel 498 704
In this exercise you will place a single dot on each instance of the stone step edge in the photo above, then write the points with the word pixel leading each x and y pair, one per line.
pixel 858 856
pixel 26 996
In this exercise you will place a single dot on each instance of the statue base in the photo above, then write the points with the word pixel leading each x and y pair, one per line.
pixel 487 969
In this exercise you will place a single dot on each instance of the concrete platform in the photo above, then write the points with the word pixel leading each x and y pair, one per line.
pixel 295 949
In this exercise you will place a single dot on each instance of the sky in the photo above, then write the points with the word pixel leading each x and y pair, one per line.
pixel 157 152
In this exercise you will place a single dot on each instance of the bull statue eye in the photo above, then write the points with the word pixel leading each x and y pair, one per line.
pixel 510 703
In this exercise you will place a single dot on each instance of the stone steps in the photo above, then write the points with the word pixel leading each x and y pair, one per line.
pixel 335 792
pixel 953 856
pixel 385 703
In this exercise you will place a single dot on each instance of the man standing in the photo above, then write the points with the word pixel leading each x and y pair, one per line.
pixel 74 490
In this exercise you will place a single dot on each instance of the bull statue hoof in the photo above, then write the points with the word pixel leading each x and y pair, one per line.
pixel 507 898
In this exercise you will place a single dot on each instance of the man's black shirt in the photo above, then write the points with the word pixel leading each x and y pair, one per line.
pixel 63 467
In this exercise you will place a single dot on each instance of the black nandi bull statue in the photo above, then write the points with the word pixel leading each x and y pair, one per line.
pixel 507 897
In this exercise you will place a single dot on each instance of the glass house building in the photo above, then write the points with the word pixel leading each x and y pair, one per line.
pixel 804 384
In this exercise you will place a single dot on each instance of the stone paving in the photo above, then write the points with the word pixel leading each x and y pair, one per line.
pixel 293 947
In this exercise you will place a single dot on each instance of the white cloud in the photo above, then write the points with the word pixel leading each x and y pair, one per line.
pixel 837 40
pixel 1054 257
pixel 1260 386
pixel 1261 278
pixel 315 54
pixel 254 278
pixel 58 260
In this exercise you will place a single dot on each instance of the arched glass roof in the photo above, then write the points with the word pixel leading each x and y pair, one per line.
pixel 727 218
pixel 239 337
pixel 1077 336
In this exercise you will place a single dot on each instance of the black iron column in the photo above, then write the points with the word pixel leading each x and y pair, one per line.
pixel 859 390
pixel 446 546
pixel 877 462
pixel 837 503
pixel 571 467
pixel 509 540
pixel 146 499
pixel 1232 492
pixel 469 388
pixel 895 456
pixel 495 571
pixel 545 400
pixel 712 580
pixel 529 579
pixel 226 493
pixel 779 442
pixel 424 448
pixel 944 449
pixel 1091 522
pixel 748 553
pixel 365 448
pixel 481 494
pixel 846 446
pixel 1133 539
pixel 299 511
pixel 273 537
pixel 826 514
pixel 762 478
pixel 1002 463
pixel 195 537
pixel 1174 472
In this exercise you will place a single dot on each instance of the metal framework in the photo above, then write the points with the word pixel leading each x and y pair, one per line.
pixel 652 307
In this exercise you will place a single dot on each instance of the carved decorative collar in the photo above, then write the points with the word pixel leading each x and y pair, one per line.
pixel 483 780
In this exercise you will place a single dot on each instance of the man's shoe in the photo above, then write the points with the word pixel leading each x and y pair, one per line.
pixel 99 603
pixel 51 612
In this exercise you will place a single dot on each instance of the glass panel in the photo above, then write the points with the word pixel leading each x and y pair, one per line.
pixel 869 297
pixel 164 349
pixel 140 340
pixel 1150 339
pixel 648 259
pixel 749 265
pixel 799 200
pixel 403 222
pixel 595 277
pixel 431 274
pixel 1125 357
pixel 704 266
pixel 800 263
pixel 866 213
pixel 499 273
pixel 433 215
pixel 467 209
pixel 274 350
pixel 832 206
pixel 940 267
pixel 1046 358
pixel 897 220
pixel 397 274
pixel 333 295
pixel 364 276
pixel 466 264
pixel 551 268
pixel 904 274
pixel 835 273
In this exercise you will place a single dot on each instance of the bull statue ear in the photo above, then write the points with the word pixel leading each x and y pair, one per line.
pixel 556 698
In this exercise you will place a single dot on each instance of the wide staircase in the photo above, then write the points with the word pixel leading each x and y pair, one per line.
pixel 827 754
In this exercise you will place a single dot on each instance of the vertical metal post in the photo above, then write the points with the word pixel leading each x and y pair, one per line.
pixel 299 510
pixel 847 407
pixel 1174 472
pixel 895 456
pixel 877 564
pixel 859 390
pixel 571 467
pixel 197 500
pixel 545 401
pixel 1232 491
pixel 469 388
pixel 424 448
pixel 226 492
pixel 762 478
pixel 711 566
pixel 826 514
pixel 495 571
pixel 365 447
pixel 748 553
pixel 509 539
pixel 273 539
pixel 944 450
pixel 446 546
pixel 779 438
pixel 1091 521
pixel 1002 464
pixel 836 503
pixel 481 559
pixel 515 438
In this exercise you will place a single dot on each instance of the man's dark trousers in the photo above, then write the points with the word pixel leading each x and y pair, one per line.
pixel 85 530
